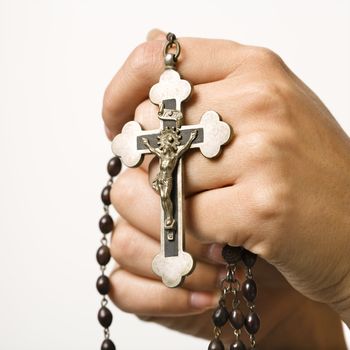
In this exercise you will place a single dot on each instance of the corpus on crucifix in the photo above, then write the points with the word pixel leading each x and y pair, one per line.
pixel 169 152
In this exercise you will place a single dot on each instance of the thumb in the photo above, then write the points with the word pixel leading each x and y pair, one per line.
pixel 155 34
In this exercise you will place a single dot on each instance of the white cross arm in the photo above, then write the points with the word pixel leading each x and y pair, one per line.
pixel 216 133
pixel 124 145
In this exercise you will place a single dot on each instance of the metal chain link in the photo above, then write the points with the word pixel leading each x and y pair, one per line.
pixel 251 306
pixel 104 242
pixel 170 58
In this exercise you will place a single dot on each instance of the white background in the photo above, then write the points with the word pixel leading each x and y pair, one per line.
pixel 56 58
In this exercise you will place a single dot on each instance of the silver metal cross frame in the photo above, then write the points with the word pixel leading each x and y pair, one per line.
pixel 169 143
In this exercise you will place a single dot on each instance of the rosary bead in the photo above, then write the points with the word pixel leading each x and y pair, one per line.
pixel 105 317
pixel 238 345
pixel 220 316
pixel 249 289
pixel 114 166
pixel 236 318
pixel 105 195
pixel 107 345
pixel 103 285
pixel 171 37
pixel 252 323
pixel 248 258
pixel 106 223
pixel 103 255
pixel 216 344
pixel 232 255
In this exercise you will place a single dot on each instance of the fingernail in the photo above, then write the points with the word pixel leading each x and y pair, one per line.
pixel 214 253
pixel 201 300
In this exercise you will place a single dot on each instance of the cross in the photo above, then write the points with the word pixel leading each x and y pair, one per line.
pixel 169 143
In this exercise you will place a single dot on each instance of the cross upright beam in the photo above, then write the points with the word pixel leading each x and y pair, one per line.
pixel 169 143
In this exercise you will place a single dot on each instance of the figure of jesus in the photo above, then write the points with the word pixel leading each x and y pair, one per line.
pixel 169 152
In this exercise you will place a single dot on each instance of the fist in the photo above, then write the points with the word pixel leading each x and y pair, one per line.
pixel 281 186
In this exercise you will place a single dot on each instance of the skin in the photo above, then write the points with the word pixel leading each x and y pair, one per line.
pixel 280 189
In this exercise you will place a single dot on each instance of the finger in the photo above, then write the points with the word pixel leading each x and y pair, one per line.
pixel 148 200
pixel 265 274
pixel 201 61
pixel 199 176
pixel 132 195
pixel 235 156
pixel 155 34
pixel 143 296
pixel 216 96
pixel 134 251
pixel 201 172
pixel 222 210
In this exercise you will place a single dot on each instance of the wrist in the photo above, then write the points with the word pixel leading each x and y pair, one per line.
pixel 340 300
pixel 346 318
pixel 340 303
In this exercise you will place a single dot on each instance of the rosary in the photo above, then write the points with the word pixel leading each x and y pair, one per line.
pixel 169 143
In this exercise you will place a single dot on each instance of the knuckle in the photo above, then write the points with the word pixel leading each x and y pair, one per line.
pixel 265 202
pixel 122 191
pixel 107 104
pixel 271 150
pixel 144 57
pixel 271 202
pixel 261 146
pixel 270 199
pixel 266 97
pixel 120 294
pixel 266 56
pixel 122 245
pixel 144 115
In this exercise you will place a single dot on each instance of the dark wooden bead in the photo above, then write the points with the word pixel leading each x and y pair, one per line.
pixel 252 323
pixel 103 285
pixel 103 255
pixel 231 255
pixel 106 195
pixel 220 316
pixel 238 345
pixel 236 318
pixel 114 166
pixel 248 258
pixel 249 289
pixel 105 317
pixel 216 344
pixel 107 345
pixel 171 37
pixel 106 223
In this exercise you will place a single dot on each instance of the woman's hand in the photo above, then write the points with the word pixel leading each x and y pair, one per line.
pixel 280 188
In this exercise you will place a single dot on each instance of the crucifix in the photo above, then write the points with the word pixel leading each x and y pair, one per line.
pixel 169 143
